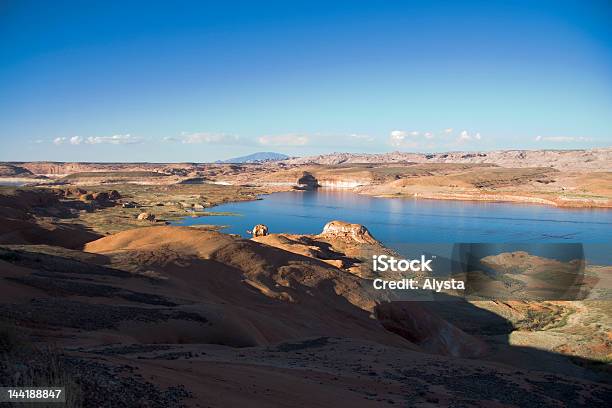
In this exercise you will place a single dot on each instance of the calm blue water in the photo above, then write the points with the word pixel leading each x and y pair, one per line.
pixel 404 221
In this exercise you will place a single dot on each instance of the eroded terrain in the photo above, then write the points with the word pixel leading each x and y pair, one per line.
pixel 125 310
pixel 578 178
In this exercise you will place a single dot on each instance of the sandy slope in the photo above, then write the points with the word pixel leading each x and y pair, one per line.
pixel 238 322
pixel 272 294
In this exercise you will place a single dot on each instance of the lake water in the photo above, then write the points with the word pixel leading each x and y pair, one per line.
pixel 11 183
pixel 404 221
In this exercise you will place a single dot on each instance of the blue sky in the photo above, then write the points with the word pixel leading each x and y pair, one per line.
pixel 181 81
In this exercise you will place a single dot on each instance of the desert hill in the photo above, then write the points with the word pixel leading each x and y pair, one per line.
pixel 182 305
pixel 307 297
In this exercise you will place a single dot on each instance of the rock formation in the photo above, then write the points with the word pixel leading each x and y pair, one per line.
pixel 346 231
pixel 260 230
pixel 145 216
pixel 99 197
pixel 307 182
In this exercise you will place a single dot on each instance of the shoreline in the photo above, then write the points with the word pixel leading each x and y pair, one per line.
pixel 505 198
pixel 493 198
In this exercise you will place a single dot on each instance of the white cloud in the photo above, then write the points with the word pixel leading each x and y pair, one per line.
pixel 397 138
pixel 562 139
pixel 114 139
pixel 401 138
pixel 420 139
pixel 76 140
pixel 205 137
pixel 361 137
pixel 465 137
pixel 284 140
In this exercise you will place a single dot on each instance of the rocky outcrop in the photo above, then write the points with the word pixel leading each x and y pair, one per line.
pixel 347 232
pixel 145 216
pixel 260 230
pixel 105 198
pixel 307 182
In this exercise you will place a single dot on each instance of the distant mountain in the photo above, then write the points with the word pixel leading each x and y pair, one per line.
pixel 258 157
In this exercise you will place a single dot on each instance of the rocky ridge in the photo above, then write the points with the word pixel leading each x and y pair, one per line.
pixel 592 159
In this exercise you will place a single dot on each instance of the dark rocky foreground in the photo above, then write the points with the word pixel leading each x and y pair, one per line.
pixel 76 332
